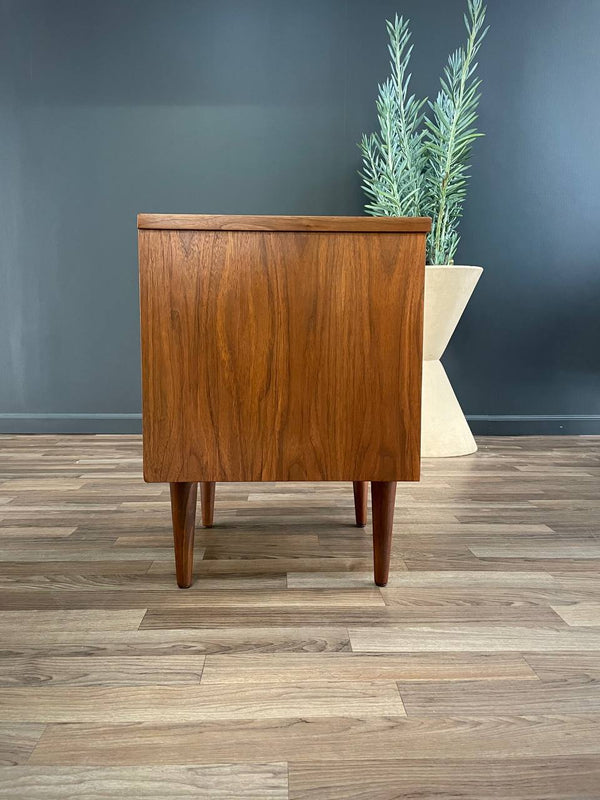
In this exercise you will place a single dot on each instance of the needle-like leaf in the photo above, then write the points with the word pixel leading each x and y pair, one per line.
pixel 417 164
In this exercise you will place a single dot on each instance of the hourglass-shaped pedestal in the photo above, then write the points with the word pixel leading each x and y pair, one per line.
pixel 444 429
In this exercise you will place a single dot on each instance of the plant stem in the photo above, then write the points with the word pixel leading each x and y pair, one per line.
pixel 440 229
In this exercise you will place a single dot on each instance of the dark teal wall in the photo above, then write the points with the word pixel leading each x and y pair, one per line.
pixel 254 106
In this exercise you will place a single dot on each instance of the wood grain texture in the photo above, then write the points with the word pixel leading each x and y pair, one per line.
pixel 100 671
pixel 281 356
pixel 559 666
pixel 577 695
pixel 187 703
pixel 515 597
pixel 148 643
pixel 70 620
pixel 446 779
pixel 211 782
pixel 134 583
pixel 281 667
pixel 476 638
pixel 383 620
pixel 128 599
pixel 580 614
pixel 422 579
pixel 17 741
pixel 244 222
pixel 575 551
pixel 476 675
pixel 386 737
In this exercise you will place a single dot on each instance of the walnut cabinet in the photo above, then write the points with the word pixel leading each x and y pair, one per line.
pixel 281 349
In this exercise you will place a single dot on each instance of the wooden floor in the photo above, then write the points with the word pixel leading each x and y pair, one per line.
pixel 284 672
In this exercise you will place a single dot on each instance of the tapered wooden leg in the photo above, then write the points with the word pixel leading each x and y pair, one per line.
pixel 383 496
pixel 361 490
pixel 183 510
pixel 207 500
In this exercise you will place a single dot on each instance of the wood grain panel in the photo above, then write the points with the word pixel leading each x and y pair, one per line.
pixel 146 643
pixel 212 782
pixel 575 550
pixel 274 563
pixel 483 597
pixel 446 779
pixel 199 601
pixel 132 583
pixel 323 738
pixel 69 569
pixel 44 621
pixel 101 671
pixel 577 695
pixel 377 618
pixel 580 614
pixel 427 579
pixel 464 638
pixel 187 703
pixel 560 666
pixel 281 356
pixel 285 667
pixel 76 551
pixel 35 533
pixel 245 222
pixel 17 741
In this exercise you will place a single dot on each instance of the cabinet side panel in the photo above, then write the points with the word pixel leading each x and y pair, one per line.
pixel 281 356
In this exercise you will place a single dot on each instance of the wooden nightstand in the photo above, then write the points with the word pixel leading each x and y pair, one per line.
pixel 281 349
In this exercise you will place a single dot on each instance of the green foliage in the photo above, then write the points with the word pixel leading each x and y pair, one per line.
pixel 417 165
pixel 394 158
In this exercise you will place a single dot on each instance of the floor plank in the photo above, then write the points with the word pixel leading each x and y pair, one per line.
pixel 72 620
pixel 191 703
pixel 575 551
pixel 17 741
pixel 218 782
pixel 562 666
pixel 315 738
pixel 579 614
pixel 283 667
pixel 133 583
pixel 446 779
pixel 176 642
pixel 425 579
pixel 22 532
pixel 483 597
pixel 102 568
pixel 575 695
pixel 489 613
pixel 465 638
pixel 169 600
pixel 101 671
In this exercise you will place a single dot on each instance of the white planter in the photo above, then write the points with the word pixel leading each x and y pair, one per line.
pixel 444 429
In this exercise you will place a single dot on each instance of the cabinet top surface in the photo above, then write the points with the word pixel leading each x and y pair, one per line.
pixel 243 222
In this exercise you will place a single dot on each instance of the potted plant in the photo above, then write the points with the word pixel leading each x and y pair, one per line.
pixel 417 165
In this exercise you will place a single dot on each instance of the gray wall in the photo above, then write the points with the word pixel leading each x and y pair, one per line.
pixel 254 106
